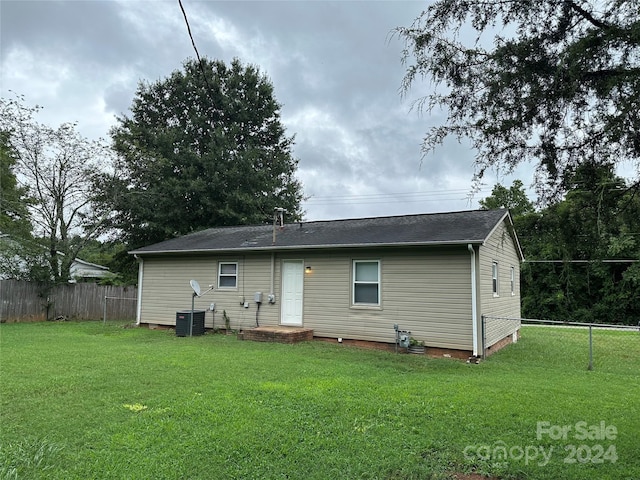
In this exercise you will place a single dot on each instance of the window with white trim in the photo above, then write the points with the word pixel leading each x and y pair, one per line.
pixel 366 282
pixel 513 280
pixel 228 275
pixel 494 279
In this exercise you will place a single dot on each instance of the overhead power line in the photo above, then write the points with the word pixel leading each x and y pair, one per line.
pixel 193 42
pixel 186 20
pixel 432 196
pixel 615 260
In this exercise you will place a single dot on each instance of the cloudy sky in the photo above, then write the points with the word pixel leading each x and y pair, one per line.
pixel 335 66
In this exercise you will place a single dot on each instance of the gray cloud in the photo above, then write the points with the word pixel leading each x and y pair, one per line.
pixel 334 65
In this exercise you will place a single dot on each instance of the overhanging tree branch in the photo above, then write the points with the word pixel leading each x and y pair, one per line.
pixel 536 95
pixel 588 16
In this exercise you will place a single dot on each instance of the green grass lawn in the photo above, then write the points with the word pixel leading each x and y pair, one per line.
pixel 83 400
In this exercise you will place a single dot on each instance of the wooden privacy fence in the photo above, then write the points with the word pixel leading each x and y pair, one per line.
pixel 23 301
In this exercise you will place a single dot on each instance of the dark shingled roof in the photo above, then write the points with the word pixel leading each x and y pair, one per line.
pixel 473 226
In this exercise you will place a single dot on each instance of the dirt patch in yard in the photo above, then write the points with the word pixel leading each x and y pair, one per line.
pixel 471 476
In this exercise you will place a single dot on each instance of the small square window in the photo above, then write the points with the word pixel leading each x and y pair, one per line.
pixel 227 275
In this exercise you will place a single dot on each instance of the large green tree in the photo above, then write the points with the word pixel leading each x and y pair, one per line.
pixel 555 82
pixel 20 254
pixel 582 254
pixel 514 198
pixel 57 165
pixel 591 236
pixel 14 200
pixel 203 147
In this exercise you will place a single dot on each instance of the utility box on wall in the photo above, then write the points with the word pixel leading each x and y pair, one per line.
pixel 182 323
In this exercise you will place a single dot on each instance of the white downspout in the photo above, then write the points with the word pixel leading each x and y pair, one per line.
pixel 474 306
pixel 273 273
pixel 140 279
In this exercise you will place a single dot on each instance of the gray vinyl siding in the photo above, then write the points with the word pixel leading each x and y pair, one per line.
pixel 424 290
pixel 431 294
pixel 166 290
pixel 501 248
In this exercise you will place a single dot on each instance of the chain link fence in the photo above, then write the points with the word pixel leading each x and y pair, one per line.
pixel 584 344
pixel 119 308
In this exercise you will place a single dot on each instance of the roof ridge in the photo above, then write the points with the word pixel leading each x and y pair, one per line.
pixel 402 215
pixel 440 228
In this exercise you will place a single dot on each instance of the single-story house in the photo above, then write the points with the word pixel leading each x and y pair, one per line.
pixel 434 275
pixel 82 271
pixel 14 265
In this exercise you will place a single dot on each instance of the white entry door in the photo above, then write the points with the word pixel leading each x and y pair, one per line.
pixel 292 282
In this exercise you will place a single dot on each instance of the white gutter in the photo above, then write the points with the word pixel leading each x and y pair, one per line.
pixel 474 306
pixel 140 279
pixel 277 248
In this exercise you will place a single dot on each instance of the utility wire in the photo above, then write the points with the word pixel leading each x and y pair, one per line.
pixel 613 260
pixel 193 42
pixel 398 194
pixel 460 194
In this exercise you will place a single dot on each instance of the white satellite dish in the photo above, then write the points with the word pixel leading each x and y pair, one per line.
pixel 195 286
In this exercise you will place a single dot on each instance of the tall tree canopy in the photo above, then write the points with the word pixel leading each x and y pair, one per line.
pixel 19 252
pixel 514 198
pixel 14 201
pixel 556 82
pixel 57 165
pixel 582 254
pixel 203 147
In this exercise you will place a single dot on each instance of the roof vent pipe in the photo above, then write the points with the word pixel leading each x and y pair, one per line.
pixel 278 220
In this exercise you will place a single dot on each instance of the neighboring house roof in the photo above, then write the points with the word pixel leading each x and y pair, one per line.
pixel 454 228
pixel 80 268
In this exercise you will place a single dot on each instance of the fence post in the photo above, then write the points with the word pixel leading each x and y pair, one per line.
pixel 590 367
pixel 104 311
